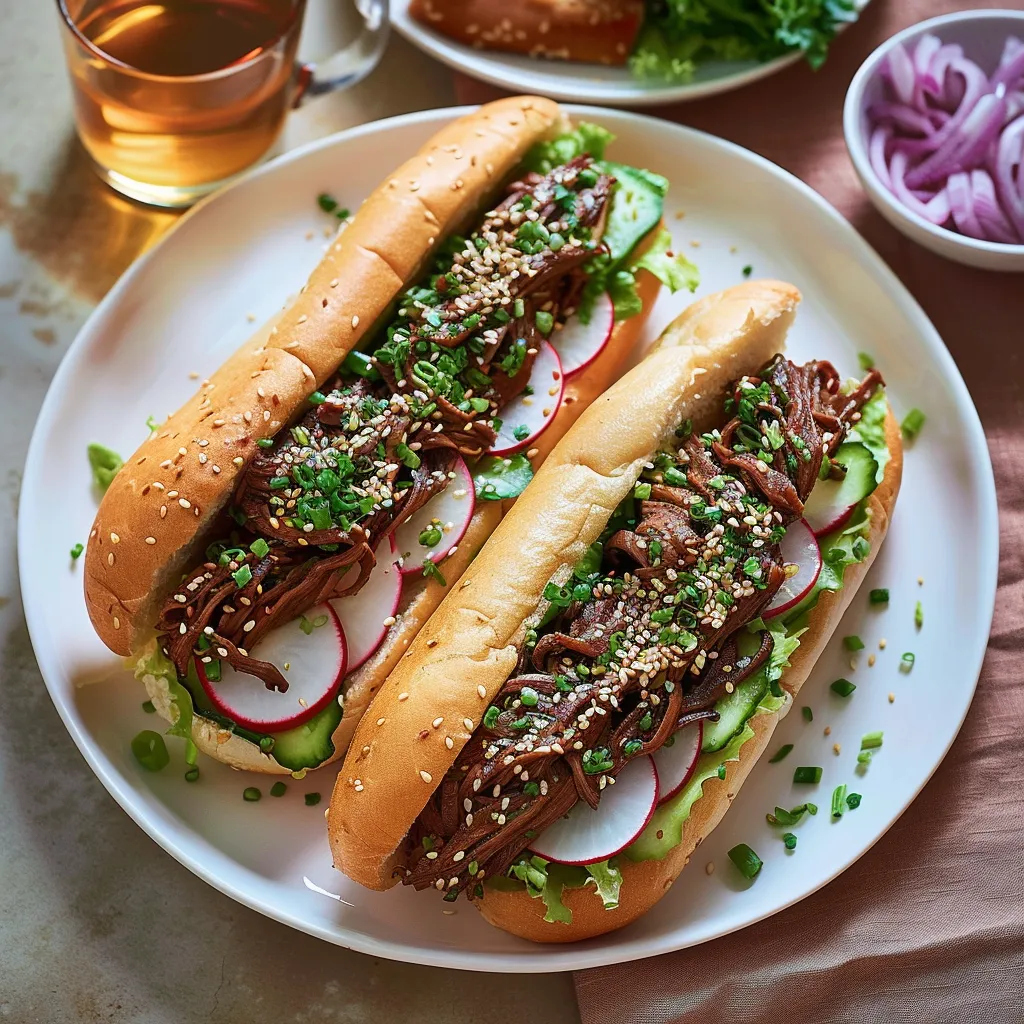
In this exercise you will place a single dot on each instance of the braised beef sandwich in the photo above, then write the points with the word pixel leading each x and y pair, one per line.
pixel 641 666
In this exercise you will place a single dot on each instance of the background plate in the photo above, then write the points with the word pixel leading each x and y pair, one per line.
pixel 187 303
pixel 580 83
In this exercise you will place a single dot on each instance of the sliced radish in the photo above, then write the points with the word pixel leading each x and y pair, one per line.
pixel 578 344
pixel 362 615
pixel 585 836
pixel 832 502
pixel 802 556
pixel 313 663
pixel 676 763
pixel 447 514
pixel 526 417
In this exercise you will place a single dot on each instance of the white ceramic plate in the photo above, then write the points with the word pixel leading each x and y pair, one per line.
pixel 580 83
pixel 184 306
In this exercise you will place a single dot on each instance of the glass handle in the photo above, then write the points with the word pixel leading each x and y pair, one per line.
pixel 369 32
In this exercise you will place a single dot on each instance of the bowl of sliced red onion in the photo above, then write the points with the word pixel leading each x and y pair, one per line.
pixel 934 121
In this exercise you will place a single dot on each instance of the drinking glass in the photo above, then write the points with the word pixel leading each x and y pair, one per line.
pixel 174 98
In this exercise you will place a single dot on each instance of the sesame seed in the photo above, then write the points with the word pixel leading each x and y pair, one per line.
pixel 480 689
pixel 114 538
pixel 426 776
pixel 184 503
pixel 448 742
pixel 403 696
pixel 468 723
pixel 110 558
pixel 381 721
pixel 437 722
pixel 355 322
pixel 892 698
pixel 828 730
pixel 151 540
pixel 709 868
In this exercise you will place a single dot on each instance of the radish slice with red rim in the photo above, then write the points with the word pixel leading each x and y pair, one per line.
pixel 802 556
pixel 438 526
pixel 526 417
pixel 586 836
pixel 578 344
pixel 676 761
pixel 363 615
pixel 310 652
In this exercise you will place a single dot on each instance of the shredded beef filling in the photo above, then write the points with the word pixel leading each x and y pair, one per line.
pixel 317 500
pixel 646 637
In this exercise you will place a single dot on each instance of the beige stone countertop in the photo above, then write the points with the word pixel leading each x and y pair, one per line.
pixel 96 922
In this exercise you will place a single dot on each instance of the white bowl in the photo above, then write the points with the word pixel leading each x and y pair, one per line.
pixel 981 34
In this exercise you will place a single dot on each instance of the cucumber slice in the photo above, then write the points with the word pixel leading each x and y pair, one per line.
pixel 734 709
pixel 832 501
pixel 636 207
pixel 308 745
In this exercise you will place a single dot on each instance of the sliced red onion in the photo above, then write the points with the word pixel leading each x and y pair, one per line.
pixel 993 221
pixel 1009 173
pixel 901 73
pixel 961 205
pixel 876 154
pixel 902 116
pixel 948 141
pixel 935 211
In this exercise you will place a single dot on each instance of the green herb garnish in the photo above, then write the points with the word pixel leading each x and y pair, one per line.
pixel 918 615
pixel 278 789
pixel 912 424
pixel 843 687
pixel 150 751
pixel 251 794
pixel 312 799
pixel 104 463
pixel 879 596
pixel 807 776
pixel 432 572
pixel 807 713
pixel 871 741
pixel 790 840
pixel 76 552
pixel 907 661
pixel 780 753
pixel 838 801
pixel 747 862
pixel 866 361
pixel 853 643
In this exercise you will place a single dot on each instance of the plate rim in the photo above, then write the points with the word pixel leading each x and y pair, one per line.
pixel 540 958
pixel 497 70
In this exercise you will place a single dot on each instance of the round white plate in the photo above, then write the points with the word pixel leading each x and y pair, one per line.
pixel 185 305
pixel 581 83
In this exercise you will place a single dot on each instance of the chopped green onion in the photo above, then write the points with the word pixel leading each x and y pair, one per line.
pixel 641 491
pixel 327 203
pixel 866 361
pixel 491 717
pixel 150 750
pixel 783 818
pixel 278 789
pixel 521 433
pixel 76 552
pixel 242 576
pixel 907 661
pixel 312 799
pixel 545 322
pixel 518 308
pixel 853 801
pixel 317 398
pixel 265 442
pixel 747 862
pixel 259 547
pixel 780 753
pixel 320 620
pixel 807 775
pixel 807 713
pixel 266 744
pixel 843 687
pixel 864 757
pixel 879 596
pixel 305 625
pixel 748 270
pixel 148 707
pixel 721 771
pixel 251 794
pixel 853 643
pixel 790 840
pixel 918 615
pixel 912 424
pixel 431 571
pixel 528 697
pixel 192 774
pixel 871 741
pixel 409 458
pixel 838 800
pixel 430 536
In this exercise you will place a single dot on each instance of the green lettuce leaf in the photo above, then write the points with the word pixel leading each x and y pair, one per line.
pixel 545 880
pixel 607 880
pixel 584 138
pixel 673 270
pixel 153 662
pixel 680 35
pixel 104 463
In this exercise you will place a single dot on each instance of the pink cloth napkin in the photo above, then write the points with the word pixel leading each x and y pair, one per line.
pixel 929 925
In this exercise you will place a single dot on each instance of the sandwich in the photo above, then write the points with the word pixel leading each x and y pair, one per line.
pixel 580 711
pixel 267 555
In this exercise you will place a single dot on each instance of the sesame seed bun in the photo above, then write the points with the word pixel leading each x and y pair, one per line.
pixel 461 658
pixel 594 31
pixel 152 522
pixel 645 882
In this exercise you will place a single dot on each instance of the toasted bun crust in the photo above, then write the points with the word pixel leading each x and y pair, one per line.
pixel 645 882
pixel 594 31
pixel 150 523
pixel 468 648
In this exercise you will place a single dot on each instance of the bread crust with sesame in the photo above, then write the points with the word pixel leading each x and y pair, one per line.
pixel 591 31
pixel 462 656
pixel 155 513
pixel 645 882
